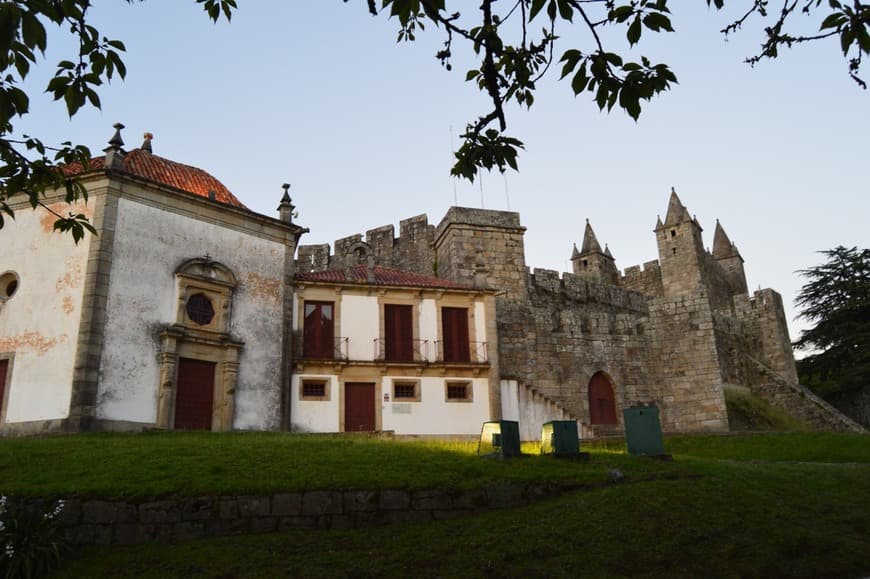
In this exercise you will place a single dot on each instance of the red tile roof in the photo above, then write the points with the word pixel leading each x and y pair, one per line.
pixel 358 274
pixel 165 172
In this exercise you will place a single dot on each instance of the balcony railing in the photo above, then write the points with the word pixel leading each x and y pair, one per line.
pixel 476 353
pixel 339 350
pixel 409 351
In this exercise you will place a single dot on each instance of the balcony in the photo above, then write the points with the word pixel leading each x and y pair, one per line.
pixel 338 351
pixel 401 350
pixel 475 354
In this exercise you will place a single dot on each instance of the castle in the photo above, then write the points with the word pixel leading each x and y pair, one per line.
pixel 584 345
pixel 190 311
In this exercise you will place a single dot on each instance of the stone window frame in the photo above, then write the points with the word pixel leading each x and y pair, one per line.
pixel 469 391
pixel 314 293
pixel 324 382
pixel 399 297
pixel 467 301
pixel 404 382
pixel 212 342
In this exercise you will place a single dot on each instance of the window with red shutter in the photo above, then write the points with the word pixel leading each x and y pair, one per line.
pixel 398 333
pixel 318 330
pixel 454 328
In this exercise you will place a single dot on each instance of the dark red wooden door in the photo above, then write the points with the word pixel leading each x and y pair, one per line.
pixel 398 333
pixel 602 406
pixel 454 327
pixel 318 330
pixel 4 367
pixel 194 398
pixel 359 407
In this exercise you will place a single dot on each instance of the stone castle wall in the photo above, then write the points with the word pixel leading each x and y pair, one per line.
pixel 647 281
pixel 674 332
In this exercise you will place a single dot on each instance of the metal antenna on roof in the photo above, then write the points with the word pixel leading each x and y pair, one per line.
pixel 452 148
pixel 482 206
pixel 506 195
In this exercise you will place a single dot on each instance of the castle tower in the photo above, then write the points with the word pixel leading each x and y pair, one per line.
pixel 681 251
pixel 591 262
pixel 725 253
pixel 470 242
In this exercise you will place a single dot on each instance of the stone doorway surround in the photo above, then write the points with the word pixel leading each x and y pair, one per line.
pixel 204 292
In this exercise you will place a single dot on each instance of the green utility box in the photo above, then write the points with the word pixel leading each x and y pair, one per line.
pixel 500 437
pixel 559 437
pixel 643 431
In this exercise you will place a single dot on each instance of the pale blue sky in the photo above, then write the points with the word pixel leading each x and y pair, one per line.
pixel 318 94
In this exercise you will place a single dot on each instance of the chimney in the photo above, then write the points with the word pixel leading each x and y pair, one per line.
pixel 146 144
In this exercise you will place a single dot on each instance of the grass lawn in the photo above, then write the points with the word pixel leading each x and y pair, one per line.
pixel 779 505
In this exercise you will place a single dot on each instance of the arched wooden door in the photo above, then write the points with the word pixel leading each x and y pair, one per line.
pixel 602 405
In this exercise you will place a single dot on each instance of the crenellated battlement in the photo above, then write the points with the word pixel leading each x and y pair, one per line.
pixel 580 289
pixel 646 280
pixel 411 250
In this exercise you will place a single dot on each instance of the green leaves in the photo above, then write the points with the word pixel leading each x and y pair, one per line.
pixel 489 150
pixel 836 299
pixel 214 8
pixel 614 82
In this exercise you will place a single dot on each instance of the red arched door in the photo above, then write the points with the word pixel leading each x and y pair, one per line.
pixel 602 406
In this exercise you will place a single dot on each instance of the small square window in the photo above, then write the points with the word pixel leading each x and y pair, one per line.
pixel 406 391
pixel 458 392
pixel 316 390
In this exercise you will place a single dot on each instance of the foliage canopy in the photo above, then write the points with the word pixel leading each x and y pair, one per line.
pixel 514 43
pixel 836 299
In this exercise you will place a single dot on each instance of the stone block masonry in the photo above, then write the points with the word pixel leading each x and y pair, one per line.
pixel 106 522
pixel 673 333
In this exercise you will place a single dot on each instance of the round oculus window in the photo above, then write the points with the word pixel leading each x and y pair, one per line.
pixel 199 309
pixel 8 284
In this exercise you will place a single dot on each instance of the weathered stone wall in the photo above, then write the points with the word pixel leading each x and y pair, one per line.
pixel 568 329
pixel 411 251
pixel 105 522
pixel 673 332
pixel 719 285
pixel 684 347
pixel 765 317
pixel 647 281
pixel 469 242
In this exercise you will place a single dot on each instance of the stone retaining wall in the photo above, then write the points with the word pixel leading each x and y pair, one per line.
pixel 91 521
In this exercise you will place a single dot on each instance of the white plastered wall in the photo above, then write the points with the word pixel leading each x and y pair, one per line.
pixel 315 415
pixel 39 324
pixel 150 244
pixel 433 414
pixel 359 323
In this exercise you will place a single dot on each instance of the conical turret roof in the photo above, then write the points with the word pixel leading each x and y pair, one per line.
pixel 722 245
pixel 677 212
pixel 590 242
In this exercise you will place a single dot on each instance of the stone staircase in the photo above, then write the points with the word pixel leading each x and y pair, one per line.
pixel 532 409
pixel 800 402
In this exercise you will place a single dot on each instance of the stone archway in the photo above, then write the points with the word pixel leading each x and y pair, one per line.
pixel 602 402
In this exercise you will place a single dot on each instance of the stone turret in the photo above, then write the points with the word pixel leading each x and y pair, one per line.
pixel 726 254
pixel 467 237
pixel 593 263
pixel 681 251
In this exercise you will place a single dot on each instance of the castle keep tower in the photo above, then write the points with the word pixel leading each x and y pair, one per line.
pixel 471 244
pixel 681 251
pixel 593 263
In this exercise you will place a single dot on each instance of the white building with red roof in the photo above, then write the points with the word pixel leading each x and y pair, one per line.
pixel 184 312
pixel 175 315
pixel 385 349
